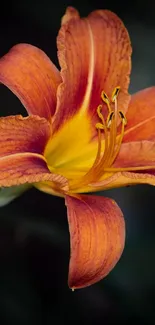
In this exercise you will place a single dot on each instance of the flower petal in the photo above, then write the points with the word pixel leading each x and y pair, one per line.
pixel 19 134
pixel 135 164
pixel 141 116
pixel 26 168
pixel 29 74
pixel 94 55
pixel 120 179
pixel 136 154
pixel 139 155
pixel 97 231
pixel 22 143
pixel 70 14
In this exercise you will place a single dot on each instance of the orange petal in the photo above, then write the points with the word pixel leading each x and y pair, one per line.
pixel 141 116
pixel 19 134
pixel 26 168
pixel 97 232
pixel 71 13
pixel 135 164
pixel 121 179
pixel 136 154
pixel 32 77
pixel 94 55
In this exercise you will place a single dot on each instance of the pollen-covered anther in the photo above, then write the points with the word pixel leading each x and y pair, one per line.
pixel 99 126
pixel 112 140
pixel 104 97
pixel 115 94
pixel 106 100
pixel 123 118
pixel 109 119
pixel 109 141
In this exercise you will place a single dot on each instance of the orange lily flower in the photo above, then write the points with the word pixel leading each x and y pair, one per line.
pixel 83 134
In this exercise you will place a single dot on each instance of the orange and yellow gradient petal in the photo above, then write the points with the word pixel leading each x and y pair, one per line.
pixel 94 55
pixel 22 142
pixel 103 65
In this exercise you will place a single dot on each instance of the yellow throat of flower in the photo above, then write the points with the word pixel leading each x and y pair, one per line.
pixel 112 140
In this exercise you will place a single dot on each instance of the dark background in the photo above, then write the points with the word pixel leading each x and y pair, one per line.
pixel 34 238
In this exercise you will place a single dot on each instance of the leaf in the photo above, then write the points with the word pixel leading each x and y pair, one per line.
pixel 9 194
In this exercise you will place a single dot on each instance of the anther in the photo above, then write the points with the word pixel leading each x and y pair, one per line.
pixel 109 119
pixel 99 126
pixel 123 118
pixel 115 94
pixel 106 154
pixel 105 97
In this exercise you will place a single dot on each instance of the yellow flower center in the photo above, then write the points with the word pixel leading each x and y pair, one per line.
pixel 104 161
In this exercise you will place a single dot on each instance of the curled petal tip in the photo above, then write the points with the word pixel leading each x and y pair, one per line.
pixel 71 13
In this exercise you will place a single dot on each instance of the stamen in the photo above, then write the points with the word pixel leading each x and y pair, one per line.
pixel 112 142
pixel 115 153
pixel 97 159
pixel 99 127
pixel 113 148
pixel 112 125
pixel 104 127
pixel 118 145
